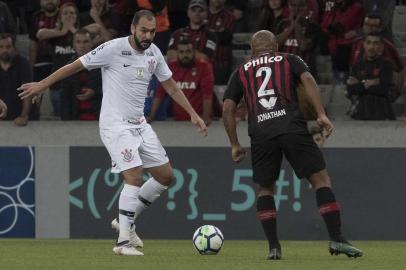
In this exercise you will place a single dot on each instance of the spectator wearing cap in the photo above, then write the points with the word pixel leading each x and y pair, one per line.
pixel 203 40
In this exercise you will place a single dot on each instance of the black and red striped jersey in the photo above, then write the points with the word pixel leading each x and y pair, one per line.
pixel 268 84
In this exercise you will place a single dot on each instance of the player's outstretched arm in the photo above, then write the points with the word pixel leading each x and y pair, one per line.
pixel 313 92
pixel 229 108
pixel 173 90
pixel 34 88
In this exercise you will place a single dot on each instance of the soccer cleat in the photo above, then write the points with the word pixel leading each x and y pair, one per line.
pixel 275 254
pixel 125 248
pixel 134 239
pixel 346 248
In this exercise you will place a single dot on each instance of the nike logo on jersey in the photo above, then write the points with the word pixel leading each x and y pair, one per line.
pixel 125 65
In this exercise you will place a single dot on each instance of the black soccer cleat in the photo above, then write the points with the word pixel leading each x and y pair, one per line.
pixel 336 248
pixel 275 254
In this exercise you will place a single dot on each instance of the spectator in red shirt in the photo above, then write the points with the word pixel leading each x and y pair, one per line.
pixel 204 41
pixel 221 22
pixel 297 34
pixel 195 77
pixel 372 23
pixel 339 24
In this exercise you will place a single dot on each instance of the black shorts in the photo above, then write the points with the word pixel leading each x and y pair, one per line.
pixel 300 150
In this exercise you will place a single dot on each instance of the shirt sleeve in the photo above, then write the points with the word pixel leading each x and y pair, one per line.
pixel 234 90
pixel 298 66
pixel 162 71
pixel 99 57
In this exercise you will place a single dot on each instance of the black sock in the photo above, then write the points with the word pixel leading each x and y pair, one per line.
pixel 267 216
pixel 329 209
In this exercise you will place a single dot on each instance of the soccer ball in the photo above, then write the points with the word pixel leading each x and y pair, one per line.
pixel 208 240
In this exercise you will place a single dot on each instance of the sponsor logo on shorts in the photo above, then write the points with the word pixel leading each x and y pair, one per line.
pixel 127 155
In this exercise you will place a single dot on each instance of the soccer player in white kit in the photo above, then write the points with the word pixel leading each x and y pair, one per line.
pixel 127 66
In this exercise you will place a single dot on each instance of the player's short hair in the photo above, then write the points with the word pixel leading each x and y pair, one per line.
pixel 8 35
pixel 142 13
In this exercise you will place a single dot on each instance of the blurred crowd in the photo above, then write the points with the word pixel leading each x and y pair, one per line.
pixel 197 38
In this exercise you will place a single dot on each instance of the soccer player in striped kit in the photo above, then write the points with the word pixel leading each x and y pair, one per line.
pixel 276 126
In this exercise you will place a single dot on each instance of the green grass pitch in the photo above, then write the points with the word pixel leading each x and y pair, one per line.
pixel 21 254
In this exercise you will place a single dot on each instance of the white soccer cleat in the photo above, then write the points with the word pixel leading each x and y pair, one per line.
pixel 127 249
pixel 134 239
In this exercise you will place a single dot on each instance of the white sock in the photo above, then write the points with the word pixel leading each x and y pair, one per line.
pixel 149 192
pixel 127 204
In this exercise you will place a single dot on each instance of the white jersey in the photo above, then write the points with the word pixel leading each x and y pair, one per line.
pixel 126 74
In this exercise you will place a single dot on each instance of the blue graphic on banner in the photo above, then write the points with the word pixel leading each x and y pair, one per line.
pixel 17 217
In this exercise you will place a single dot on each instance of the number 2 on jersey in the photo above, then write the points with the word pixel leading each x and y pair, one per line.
pixel 266 103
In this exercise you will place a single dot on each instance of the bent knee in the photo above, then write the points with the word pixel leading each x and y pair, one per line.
pixel 320 179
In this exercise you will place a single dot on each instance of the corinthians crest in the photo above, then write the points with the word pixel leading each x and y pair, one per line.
pixel 127 155
pixel 151 65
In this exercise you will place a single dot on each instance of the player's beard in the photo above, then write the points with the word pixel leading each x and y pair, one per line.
pixel 186 62
pixel 142 45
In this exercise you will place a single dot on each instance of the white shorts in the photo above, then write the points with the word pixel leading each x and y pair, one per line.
pixel 133 147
